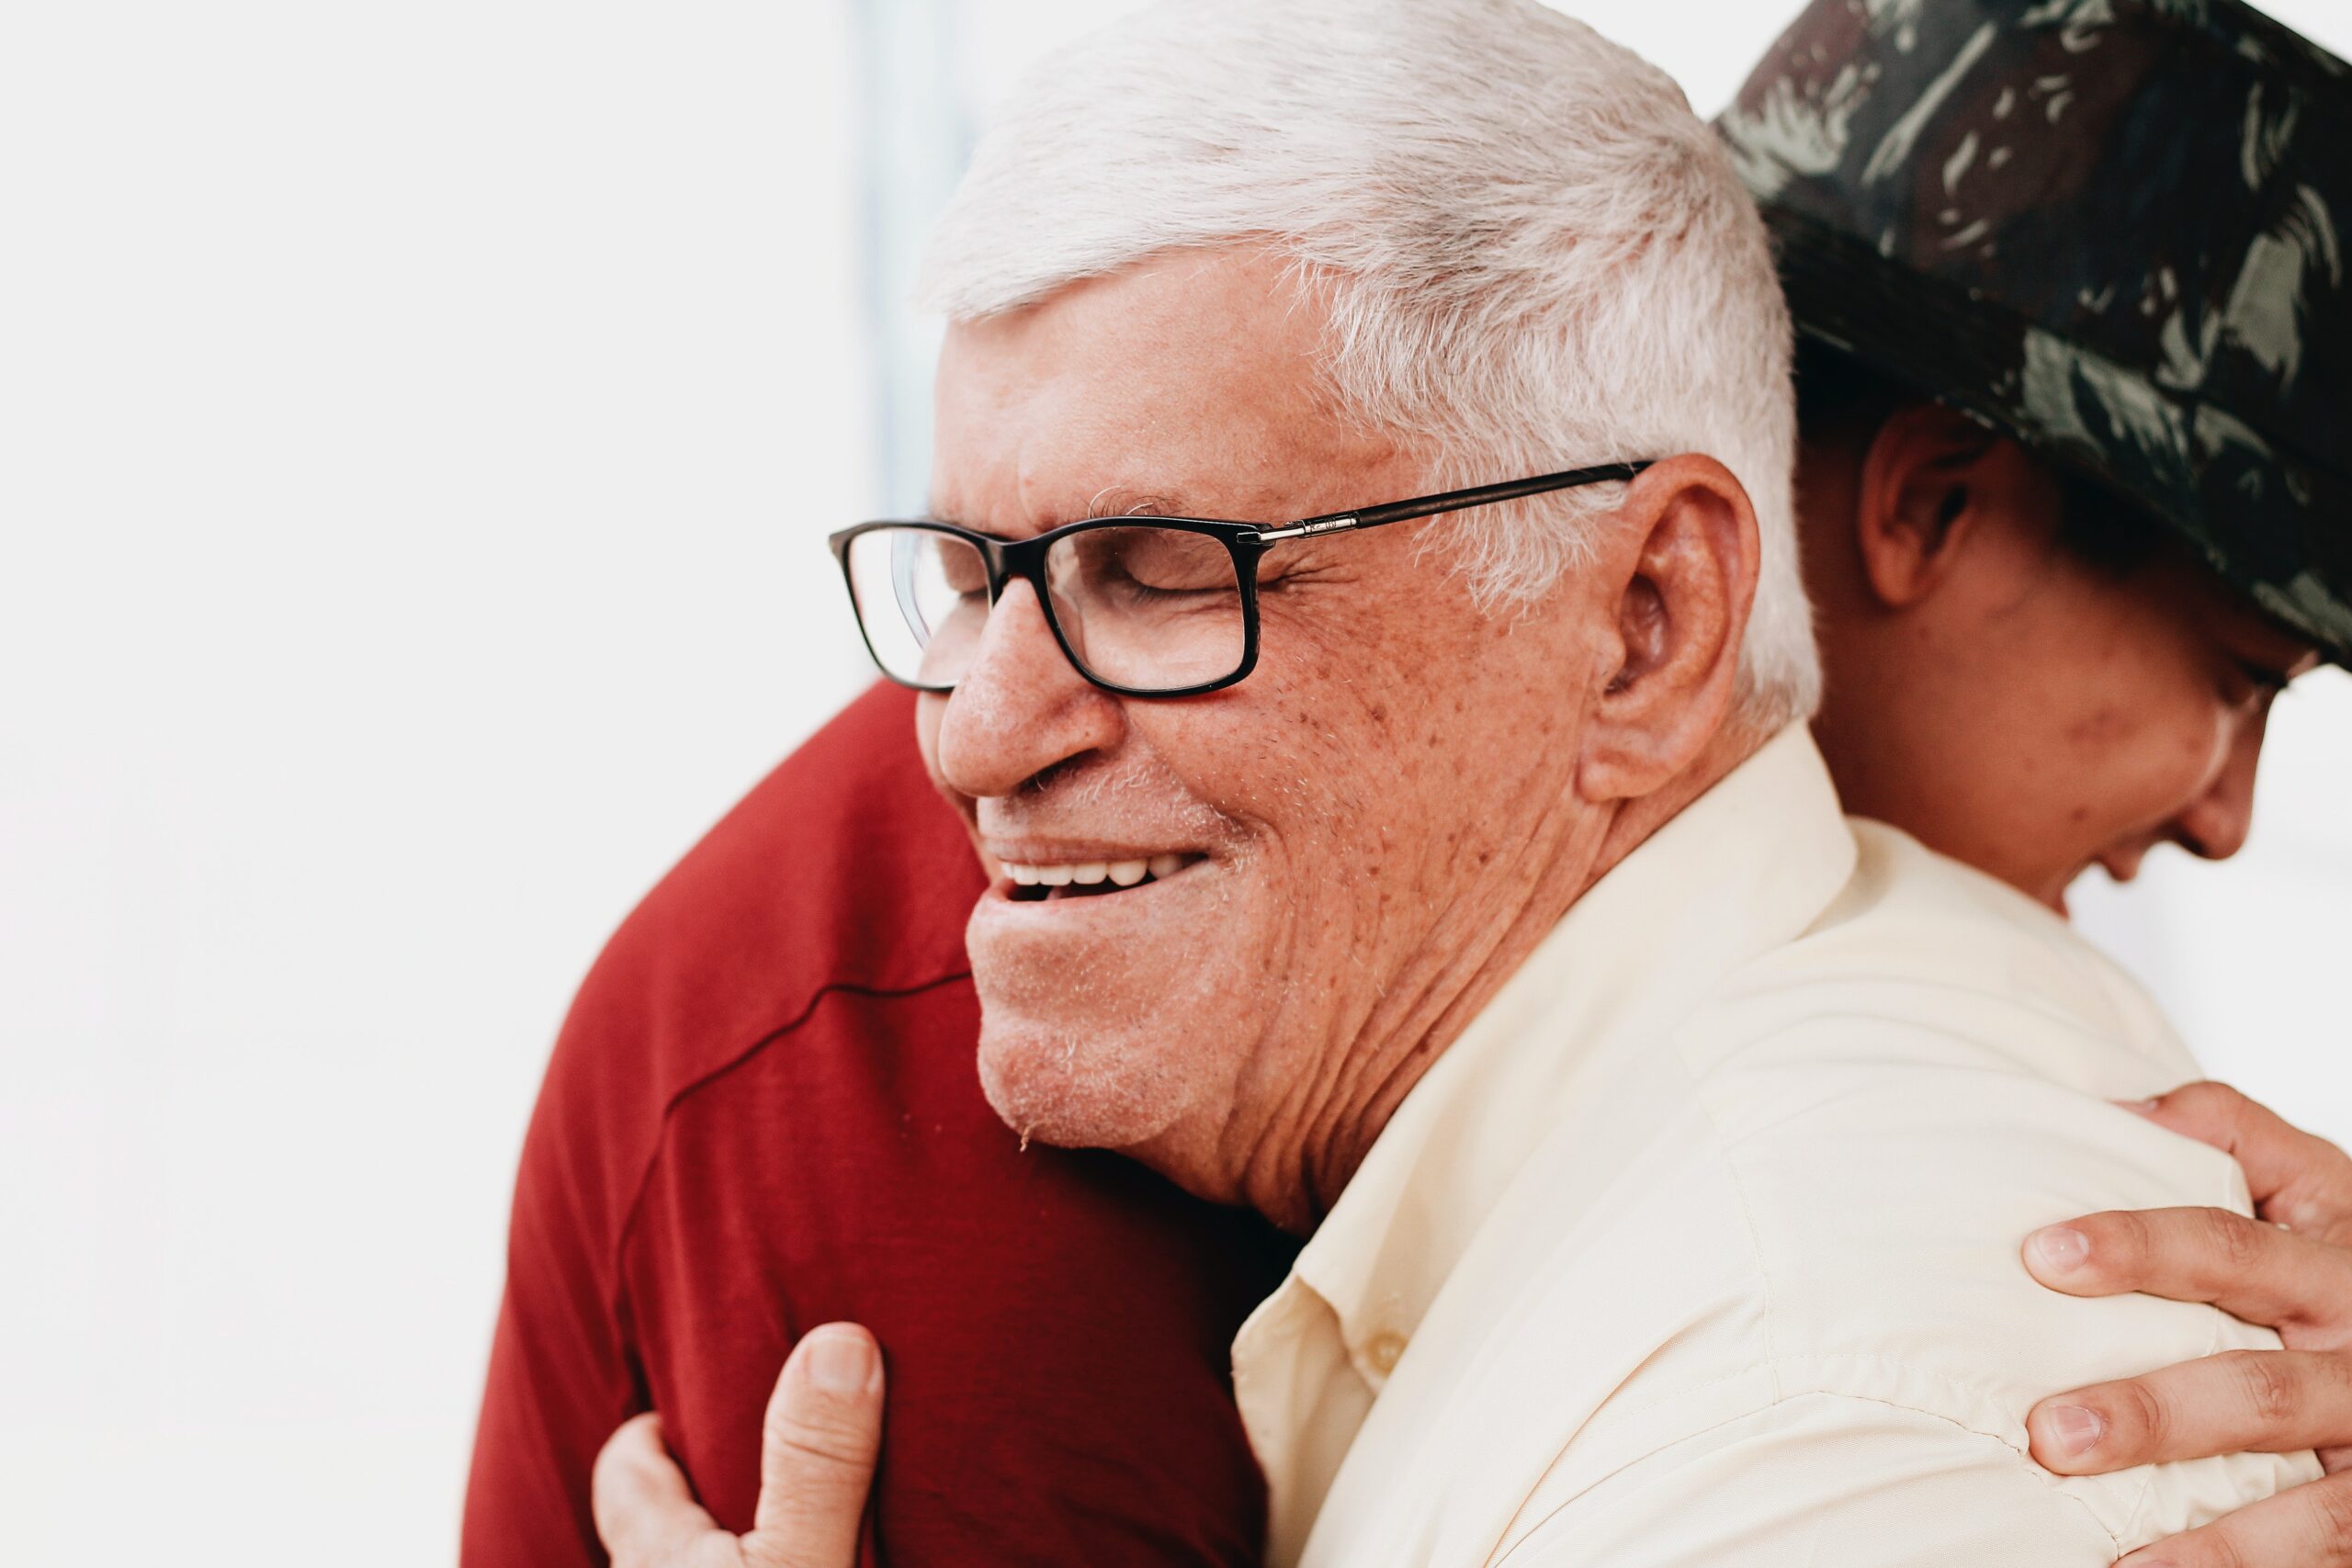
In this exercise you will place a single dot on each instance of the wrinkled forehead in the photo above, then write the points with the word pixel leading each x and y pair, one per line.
pixel 1189 385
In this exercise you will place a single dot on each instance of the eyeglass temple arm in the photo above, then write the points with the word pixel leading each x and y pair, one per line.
pixel 1451 500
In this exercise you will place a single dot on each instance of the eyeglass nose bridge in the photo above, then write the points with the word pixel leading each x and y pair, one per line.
pixel 1007 561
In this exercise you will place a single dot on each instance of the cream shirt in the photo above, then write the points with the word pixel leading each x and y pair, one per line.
pixel 1700 1245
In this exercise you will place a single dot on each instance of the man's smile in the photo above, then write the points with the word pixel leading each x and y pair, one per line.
pixel 1039 881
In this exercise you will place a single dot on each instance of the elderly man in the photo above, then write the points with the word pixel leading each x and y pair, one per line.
pixel 2208 804
pixel 1528 963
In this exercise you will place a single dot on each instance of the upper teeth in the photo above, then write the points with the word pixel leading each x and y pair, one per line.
pixel 1087 874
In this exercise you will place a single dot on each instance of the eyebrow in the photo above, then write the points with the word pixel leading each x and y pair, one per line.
pixel 1144 504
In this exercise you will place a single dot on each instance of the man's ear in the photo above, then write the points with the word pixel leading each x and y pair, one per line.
pixel 1925 482
pixel 1676 569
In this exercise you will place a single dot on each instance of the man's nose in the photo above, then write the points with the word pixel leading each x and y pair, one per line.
pixel 2214 826
pixel 1021 708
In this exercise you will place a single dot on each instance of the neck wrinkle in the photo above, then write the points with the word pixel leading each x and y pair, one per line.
pixel 1322 1173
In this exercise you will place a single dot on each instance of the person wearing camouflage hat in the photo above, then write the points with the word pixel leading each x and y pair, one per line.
pixel 2111 229
pixel 2109 232
pixel 2075 369
pixel 1933 548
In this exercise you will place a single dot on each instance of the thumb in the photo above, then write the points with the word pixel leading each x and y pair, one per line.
pixel 817 1450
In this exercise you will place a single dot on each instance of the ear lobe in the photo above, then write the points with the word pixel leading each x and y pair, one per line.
pixel 1919 499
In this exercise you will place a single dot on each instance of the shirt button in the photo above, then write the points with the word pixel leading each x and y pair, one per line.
pixel 1383 1350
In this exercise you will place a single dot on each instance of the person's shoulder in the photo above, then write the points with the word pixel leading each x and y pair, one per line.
pixel 1861 1128
pixel 1955 966
pixel 1897 1101
pixel 1935 1023
pixel 844 867
pixel 842 870
pixel 1928 1073
pixel 1883 1209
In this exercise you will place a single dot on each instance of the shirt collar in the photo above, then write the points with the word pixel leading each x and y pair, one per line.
pixel 1746 867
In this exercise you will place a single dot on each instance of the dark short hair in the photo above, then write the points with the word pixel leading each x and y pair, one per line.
pixel 2096 524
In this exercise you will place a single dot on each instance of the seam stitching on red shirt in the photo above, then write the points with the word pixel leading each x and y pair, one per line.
pixel 662 1135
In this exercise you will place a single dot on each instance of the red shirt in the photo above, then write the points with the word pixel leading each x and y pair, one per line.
pixel 763 1113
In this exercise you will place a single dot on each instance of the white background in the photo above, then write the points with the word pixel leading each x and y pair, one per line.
pixel 418 426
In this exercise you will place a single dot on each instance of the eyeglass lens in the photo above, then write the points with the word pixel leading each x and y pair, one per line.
pixel 1140 607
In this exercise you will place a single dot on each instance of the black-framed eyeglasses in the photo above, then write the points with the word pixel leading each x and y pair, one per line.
pixel 1144 607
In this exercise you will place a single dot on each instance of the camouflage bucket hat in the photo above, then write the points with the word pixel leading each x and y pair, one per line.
pixel 2113 229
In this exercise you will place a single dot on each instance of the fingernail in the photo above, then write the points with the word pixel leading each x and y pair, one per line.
pixel 2061 1247
pixel 2077 1430
pixel 840 1361
pixel 2144 1107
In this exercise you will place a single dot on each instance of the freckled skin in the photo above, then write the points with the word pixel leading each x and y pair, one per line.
pixel 1399 800
pixel 2006 702
pixel 1409 790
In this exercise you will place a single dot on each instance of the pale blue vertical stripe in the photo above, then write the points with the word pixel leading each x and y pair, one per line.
pixel 916 136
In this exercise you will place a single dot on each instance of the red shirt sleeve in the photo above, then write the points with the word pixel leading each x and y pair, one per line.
pixel 560 1373
pixel 763 1113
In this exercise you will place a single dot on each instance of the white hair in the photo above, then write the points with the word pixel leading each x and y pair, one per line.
pixel 1535 256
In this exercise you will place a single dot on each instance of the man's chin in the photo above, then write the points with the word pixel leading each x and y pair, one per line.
pixel 1077 1089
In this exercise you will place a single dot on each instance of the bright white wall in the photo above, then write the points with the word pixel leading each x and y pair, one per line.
pixel 1709 45
pixel 417 426
pixel 2248 956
